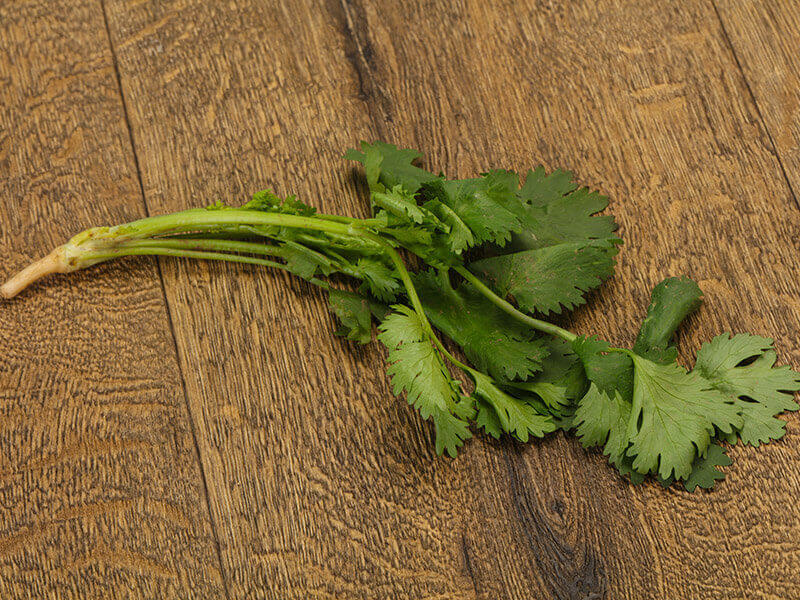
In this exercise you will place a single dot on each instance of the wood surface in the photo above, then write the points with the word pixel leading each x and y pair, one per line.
pixel 101 491
pixel 187 430
pixel 765 37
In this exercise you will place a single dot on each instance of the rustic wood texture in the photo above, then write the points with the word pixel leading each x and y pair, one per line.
pixel 101 494
pixel 320 483
pixel 766 39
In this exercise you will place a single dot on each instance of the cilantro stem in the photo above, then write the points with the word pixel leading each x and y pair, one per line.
pixel 209 244
pixel 204 219
pixel 141 249
pixel 509 308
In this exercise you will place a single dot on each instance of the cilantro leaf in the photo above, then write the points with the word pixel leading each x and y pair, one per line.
pixel 671 301
pixel 562 366
pixel 488 420
pixel 557 386
pixel 551 278
pixel 399 203
pixel 391 166
pixel 513 415
pixel 355 313
pixel 492 341
pixel 459 237
pixel 673 416
pixel 611 371
pixel 267 201
pixel 742 367
pixel 486 205
pixel 704 470
pixel 451 430
pixel 556 212
pixel 561 251
pixel 305 262
pixel 417 368
pixel 381 281
pixel 602 420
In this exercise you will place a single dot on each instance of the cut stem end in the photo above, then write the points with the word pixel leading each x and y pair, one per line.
pixel 52 263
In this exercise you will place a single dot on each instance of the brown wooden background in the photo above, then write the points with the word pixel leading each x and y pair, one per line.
pixel 181 430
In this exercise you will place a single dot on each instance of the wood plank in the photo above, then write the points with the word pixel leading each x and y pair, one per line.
pixel 320 483
pixel 101 493
pixel 766 39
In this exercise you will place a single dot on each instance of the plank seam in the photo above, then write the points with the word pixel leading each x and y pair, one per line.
pixel 360 56
pixel 167 310
pixel 750 93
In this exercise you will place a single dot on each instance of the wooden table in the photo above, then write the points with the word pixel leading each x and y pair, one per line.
pixel 183 430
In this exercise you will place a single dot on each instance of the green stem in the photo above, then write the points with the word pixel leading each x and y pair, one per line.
pixel 416 304
pixel 204 219
pixel 509 308
pixel 147 249
pixel 209 244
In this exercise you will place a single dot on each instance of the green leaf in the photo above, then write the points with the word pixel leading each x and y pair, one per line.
pixel 558 213
pixel 704 470
pixel 415 238
pixel 561 251
pixel 599 413
pixel 563 368
pixel 459 237
pixel 267 201
pixel 488 420
pixel 451 432
pixel 551 278
pixel 611 371
pixel 399 203
pixel 391 166
pixel 544 189
pixel 486 205
pixel 742 368
pixel 305 262
pixel 556 388
pixel 673 416
pixel 514 416
pixel 355 313
pixel 416 368
pixel 671 301
pixel 492 340
pixel 381 281
pixel 602 420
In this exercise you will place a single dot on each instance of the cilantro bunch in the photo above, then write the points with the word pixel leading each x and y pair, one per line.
pixel 493 259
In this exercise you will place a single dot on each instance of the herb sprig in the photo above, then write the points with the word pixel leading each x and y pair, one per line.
pixel 498 257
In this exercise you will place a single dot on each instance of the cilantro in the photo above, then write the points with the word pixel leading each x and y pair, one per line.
pixel 355 313
pixel 558 212
pixel 704 470
pixel 379 279
pixel 742 368
pixel 484 205
pixel 417 368
pixel 551 278
pixel 305 262
pixel 399 203
pixel 602 420
pixel 489 337
pixel 504 412
pixel 489 254
pixel 391 166
pixel 673 417
pixel 672 300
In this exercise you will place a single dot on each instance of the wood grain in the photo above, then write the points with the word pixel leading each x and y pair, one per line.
pixel 320 483
pixel 766 39
pixel 101 493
